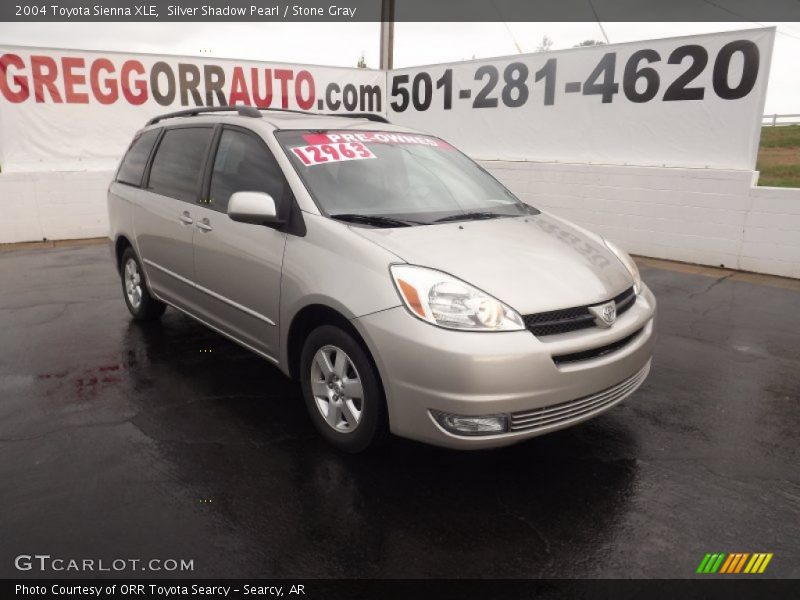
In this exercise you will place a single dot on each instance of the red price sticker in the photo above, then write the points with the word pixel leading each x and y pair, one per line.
pixel 318 154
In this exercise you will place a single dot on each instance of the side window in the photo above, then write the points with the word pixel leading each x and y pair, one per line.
pixel 179 161
pixel 243 164
pixel 132 167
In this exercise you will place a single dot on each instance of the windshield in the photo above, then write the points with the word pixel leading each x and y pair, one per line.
pixel 394 179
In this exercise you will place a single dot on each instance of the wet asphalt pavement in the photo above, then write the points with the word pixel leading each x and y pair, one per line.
pixel 168 441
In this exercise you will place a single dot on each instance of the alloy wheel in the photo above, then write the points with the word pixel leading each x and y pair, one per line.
pixel 336 385
pixel 133 283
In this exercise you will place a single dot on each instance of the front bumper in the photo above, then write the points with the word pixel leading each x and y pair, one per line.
pixel 426 368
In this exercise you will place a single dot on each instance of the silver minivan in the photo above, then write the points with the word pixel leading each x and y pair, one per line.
pixel 402 285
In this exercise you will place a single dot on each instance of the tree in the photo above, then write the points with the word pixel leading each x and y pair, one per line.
pixel 545 44
pixel 589 43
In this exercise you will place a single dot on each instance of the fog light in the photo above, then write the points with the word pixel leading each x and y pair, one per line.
pixel 463 425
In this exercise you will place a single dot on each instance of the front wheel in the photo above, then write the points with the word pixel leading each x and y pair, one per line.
pixel 140 303
pixel 342 390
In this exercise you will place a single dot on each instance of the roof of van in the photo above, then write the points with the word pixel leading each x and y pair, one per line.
pixel 276 119
pixel 287 120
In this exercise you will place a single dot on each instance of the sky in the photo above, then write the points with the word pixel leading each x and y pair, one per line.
pixel 341 44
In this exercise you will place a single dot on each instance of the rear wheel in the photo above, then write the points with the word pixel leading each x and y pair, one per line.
pixel 342 390
pixel 140 303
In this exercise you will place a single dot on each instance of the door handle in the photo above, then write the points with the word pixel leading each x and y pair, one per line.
pixel 186 218
pixel 204 225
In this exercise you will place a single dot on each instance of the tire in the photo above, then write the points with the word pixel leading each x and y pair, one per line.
pixel 355 424
pixel 140 303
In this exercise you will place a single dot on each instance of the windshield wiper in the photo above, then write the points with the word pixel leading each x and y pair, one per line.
pixel 374 220
pixel 468 216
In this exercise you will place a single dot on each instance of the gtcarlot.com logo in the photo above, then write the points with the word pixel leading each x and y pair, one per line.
pixel 46 562
pixel 734 563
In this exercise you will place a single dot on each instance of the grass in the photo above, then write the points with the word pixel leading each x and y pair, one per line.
pixel 779 156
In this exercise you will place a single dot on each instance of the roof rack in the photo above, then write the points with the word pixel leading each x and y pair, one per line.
pixel 244 111
pixel 251 111
pixel 367 116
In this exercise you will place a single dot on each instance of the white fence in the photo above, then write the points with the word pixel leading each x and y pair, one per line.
pixel 777 120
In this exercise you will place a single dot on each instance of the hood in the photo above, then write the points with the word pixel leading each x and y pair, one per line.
pixel 534 264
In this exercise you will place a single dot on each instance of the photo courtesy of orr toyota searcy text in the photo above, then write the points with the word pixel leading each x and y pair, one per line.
pixel 162 591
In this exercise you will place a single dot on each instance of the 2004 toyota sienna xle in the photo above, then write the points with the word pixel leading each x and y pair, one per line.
pixel 405 288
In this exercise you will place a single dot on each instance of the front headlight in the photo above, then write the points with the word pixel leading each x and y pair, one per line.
pixel 629 264
pixel 443 300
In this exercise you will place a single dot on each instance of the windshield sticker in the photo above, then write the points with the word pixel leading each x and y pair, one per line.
pixel 318 154
pixel 370 137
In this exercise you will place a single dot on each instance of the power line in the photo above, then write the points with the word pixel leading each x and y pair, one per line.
pixel 744 18
pixel 783 33
pixel 513 39
pixel 511 33
pixel 597 18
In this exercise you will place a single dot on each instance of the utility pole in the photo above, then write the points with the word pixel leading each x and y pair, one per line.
pixel 387 34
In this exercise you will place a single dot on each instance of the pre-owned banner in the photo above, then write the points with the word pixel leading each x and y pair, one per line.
pixel 66 110
pixel 689 101
pixel 679 102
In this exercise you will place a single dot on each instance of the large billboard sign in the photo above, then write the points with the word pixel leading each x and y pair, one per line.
pixel 691 101
pixel 679 102
pixel 75 110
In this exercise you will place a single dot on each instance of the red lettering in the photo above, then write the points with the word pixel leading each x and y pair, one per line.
pixel 284 76
pixel 43 72
pixel 307 102
pixel 72 79
pixel 109 92
pixel 128 67
pixel 22 92
pixel 266 100
pixel 239 91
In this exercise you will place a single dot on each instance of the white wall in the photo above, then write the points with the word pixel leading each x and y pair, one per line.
pixel 53 205
pixel 771 237
pixel 703 216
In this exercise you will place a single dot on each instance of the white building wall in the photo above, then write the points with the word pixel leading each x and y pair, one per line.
pixel 704 216
pixel 53 205
pixel 771 238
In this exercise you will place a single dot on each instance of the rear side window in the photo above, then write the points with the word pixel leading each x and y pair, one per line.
pixel 179 161
pixel 132 167
pixel 243 164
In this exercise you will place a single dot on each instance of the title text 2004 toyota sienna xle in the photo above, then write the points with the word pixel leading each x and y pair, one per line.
pixel 405 288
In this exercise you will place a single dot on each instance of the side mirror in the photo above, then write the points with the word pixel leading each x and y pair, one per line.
pixel 257 208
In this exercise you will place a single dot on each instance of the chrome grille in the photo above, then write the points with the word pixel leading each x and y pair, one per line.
pixel 547 416
pixel 572 319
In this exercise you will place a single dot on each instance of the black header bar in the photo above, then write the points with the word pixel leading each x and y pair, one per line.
pixel 340 11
